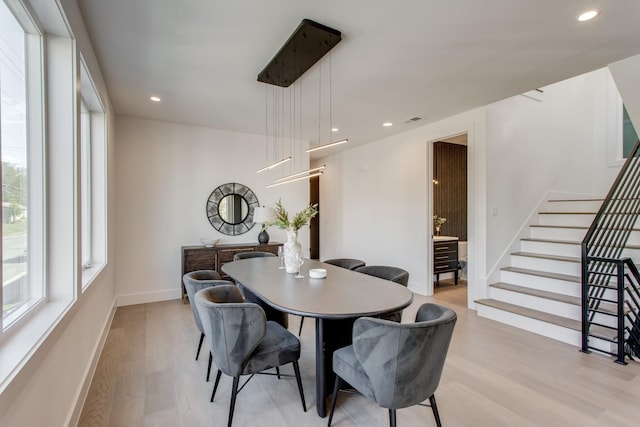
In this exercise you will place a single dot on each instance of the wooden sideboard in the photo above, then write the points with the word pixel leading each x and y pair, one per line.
pixel 213 258
pixel 445 257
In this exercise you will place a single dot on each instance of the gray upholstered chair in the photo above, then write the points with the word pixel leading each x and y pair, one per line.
pixel 193 282
pixel 243 341
pixel 395 274
pixel 348 263
pixel 396 365
pixel 272 313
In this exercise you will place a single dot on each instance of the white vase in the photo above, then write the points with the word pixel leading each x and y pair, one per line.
pixel 291 252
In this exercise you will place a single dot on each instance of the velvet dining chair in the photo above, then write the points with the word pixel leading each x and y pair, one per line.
pixel 396 365
pixel 243 341
pixel 272 313
pixel 348 263
pixel 195 281
pixel 394 274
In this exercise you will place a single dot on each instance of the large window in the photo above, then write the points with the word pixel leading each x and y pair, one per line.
pixel 629 135
pixel 92 178
pixel 21 148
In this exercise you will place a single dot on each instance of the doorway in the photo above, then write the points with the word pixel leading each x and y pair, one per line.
pixel 450 210
pixel 314 224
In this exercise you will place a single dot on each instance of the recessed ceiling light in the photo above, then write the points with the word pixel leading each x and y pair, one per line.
pixel 387 124
pixel 155 99
pixel 334 129
pixel 586 16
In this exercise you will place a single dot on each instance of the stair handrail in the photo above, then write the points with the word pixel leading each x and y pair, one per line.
pixel 606 239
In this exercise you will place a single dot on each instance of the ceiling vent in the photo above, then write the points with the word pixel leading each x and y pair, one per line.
pixel 412 119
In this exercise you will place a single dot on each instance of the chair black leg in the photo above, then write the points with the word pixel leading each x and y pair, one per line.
pixel 209 368
pixel 200 345
pixel 434 408
pixel 296 369
pixel 215 386
pixel 301 323
pixel 336 389
pixel 278 371
pixel 234 393
pixel 392 417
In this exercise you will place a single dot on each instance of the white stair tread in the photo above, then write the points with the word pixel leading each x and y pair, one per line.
pixel 539 273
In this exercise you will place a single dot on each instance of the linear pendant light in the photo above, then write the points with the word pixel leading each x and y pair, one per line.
pixel 330 144
pixel 295 179
pixel 284 178
pixel 279 162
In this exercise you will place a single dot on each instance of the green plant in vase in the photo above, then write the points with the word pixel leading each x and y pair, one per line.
pixel 438 222
pixel 292 247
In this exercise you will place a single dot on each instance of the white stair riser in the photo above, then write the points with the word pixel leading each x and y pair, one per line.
pixel 558 308
pixel 567 249
pixel 551 248
pixel 610 295
pixel 548 265
pixel 574 206
pixel 634 254
pixel 583 220
pixel 554 233
pixel 542 283
pixel 556 332
pixel 572 234
pixel 560 333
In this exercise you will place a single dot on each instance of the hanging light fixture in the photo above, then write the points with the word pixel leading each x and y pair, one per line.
pixel 296 179
pixel 278 162
pixel 308 171
pixel 309 42
pixel 334 143
pixel 330 144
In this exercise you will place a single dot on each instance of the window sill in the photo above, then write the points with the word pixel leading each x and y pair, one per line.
pixel 89 273
pixel 19 345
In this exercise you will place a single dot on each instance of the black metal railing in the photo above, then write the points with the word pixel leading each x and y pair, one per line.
pixel 609 281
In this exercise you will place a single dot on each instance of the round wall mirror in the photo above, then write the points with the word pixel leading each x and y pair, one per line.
pixel 233 209
pixel 230 208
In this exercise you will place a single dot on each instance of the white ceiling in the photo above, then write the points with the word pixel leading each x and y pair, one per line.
pixel 397 59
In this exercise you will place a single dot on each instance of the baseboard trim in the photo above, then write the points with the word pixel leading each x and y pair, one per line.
pixel 147 297
pixel 83 392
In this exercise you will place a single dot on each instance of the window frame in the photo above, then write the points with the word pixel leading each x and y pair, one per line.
pixel 34 46
pixel 93 180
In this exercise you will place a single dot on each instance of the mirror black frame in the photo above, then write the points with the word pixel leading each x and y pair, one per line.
pixel 213 214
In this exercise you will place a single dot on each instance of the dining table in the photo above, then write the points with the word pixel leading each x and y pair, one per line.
pixel 335 302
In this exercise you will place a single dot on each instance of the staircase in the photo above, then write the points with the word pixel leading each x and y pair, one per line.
pixel 540 289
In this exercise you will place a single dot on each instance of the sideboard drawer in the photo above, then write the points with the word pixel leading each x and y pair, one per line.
pixel 203 258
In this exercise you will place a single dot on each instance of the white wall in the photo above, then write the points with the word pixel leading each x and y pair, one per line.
pixel 375 200
pixel 377 197
pixel 558 144
pixel 166 172
pixel 625 74
pixel 50 388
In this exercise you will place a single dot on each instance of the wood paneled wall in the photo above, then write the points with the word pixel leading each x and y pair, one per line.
pixel 450 194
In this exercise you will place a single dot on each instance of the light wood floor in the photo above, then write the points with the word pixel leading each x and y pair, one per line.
pixel 495 375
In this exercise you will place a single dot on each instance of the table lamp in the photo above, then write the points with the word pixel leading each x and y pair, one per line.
pixel 263 215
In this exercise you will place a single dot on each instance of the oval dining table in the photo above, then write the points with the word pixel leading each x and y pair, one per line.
pixel 335 302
